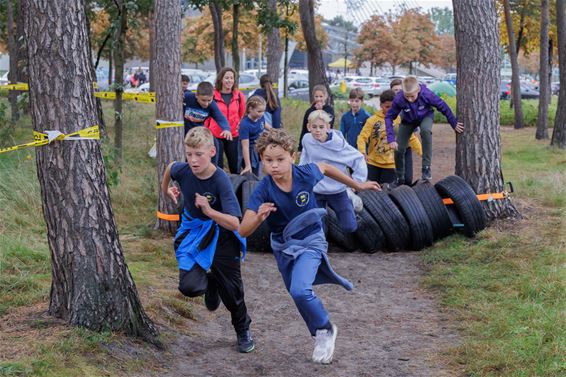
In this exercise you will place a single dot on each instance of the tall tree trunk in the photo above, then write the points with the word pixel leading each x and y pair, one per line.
pixel 515 80
pixel 216 14
pixel 13 50
pixel 168 91
pixel 521 29
pixel 317 71
pixel 559 131
pixel 23 71
pixel 273 52
pixel 235 33
pixel 478 149
pixel 91 285
pixel 118 49
pixel 151 27
pixel 544 87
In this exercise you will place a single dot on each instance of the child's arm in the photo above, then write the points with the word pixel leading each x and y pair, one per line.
pixel 246 155
pixel 225 220
pixel 390 117
pixel 172 192
pixel 343 126
pixel 330 110
pixel 334 173
pixel 441 106
pixel 363 138
pixel 304 130
pixel 415 144
pixel 276 116
pixel 217 115
pixel 253 220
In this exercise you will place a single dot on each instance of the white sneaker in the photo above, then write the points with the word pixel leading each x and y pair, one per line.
pixel 324 345
pixel 356 201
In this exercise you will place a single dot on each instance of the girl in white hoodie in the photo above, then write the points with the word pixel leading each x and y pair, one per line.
pixel 323 144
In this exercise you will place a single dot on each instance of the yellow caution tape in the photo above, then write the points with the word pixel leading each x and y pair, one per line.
pixel 167 124
pixel 18 86
pixel 138 97
pixel 40 139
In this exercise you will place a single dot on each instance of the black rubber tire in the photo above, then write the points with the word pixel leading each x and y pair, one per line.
pixel 369 233
pixel 434 208
pixel 389 218
pixel 419 224
pixel 345 241
pixel 237 181
pixel 455 219
pixel 260 239
pixel 466 203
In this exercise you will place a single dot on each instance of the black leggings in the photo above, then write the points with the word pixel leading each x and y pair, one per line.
pixel 230 147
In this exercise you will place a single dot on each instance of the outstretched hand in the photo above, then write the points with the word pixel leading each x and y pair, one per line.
pixel 226 135
pixel 459 127
pixel 369 185
pixel 265 210
pixel 173 192
pixel 393 145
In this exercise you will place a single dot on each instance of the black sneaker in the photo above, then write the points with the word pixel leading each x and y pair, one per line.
pixel 211 297
pixel 398 182
pixel 245 342
pixel 427 175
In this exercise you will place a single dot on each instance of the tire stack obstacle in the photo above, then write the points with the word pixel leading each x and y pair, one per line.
pixel 404 218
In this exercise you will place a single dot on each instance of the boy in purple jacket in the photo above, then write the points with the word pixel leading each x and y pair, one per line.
pixel 415 104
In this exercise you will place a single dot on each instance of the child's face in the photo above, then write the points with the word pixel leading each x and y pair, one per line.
pixel 204 101
pixel 199 158
pixel 256 113
pixel 277 162
pixel 355 104
pixel 385 106
pixel 184 85
pixel 319 97
pixel 319 129
pixel 412 97
pixel 228 80
pixel 397 88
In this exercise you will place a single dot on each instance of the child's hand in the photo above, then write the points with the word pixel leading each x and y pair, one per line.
pixel 369 185
pixel 247 169
pixel 265 209
pixel 318 105
pixel 173 192
pixel 226 135
pixel 459 127
pixel 202 203
pixel 366 156
pixel 393 145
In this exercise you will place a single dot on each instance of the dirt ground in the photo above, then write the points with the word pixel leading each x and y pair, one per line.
pixel 387 326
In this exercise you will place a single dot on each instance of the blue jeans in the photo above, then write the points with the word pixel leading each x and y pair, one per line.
pixel 298 275
pixel 343 207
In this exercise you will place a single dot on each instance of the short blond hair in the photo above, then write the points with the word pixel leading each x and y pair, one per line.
pixel 320 114
pixel 199 136
pixel 410 84
pixel 275 137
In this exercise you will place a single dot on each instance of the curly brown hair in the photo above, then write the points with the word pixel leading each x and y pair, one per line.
pixel 275 137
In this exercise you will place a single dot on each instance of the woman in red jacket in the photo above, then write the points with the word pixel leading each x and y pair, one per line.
pixel 232 103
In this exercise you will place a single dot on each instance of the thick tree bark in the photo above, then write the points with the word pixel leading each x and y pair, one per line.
pixel 216 13
pixel 151 28
pixel 317 71
pixel 559 131
pixel 273 53
pixel 544 87
pixel 23 72
pixel 168 91
pixel 91 285
pixel 118 50
pixel 235 49
pixel 515 80
pixel 478 149
pixel 13 49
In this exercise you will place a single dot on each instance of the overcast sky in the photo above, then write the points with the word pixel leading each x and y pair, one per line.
pixel 331 8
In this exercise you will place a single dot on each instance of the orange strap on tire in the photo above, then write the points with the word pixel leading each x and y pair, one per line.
pixel 482 197
pixel 166 217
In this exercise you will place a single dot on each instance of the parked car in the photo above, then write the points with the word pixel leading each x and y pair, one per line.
pixel 527 92
pixel 426 80
pixel 378 86
pixel 299 89
pixel 555 87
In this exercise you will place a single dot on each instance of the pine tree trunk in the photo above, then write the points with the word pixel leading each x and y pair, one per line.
pixel 22 66
pixel 151 27
pixel 478 149
pixel 91 285
pixel 544 87
pixel 216 13
pixel 273 52
pixel 169 101
pixel 559 131
pixel 118 49
pixel 515 80
pixel 13 50
pixel 235 49
pixel 317 71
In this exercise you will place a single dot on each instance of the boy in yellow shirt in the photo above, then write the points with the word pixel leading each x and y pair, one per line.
pixel 379 156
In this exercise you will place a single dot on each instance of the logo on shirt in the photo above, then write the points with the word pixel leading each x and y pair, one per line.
pixel 302 198
pixel 211 198
pixel 421 107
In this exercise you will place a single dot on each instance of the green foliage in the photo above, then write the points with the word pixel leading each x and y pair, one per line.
pixel 443 19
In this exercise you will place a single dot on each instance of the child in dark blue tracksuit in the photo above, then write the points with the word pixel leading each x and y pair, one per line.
pixel 353 121
pixel 285 198
pixel 198 107
pixel 207 238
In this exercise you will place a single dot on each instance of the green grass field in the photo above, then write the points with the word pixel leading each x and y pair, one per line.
pixel 505 289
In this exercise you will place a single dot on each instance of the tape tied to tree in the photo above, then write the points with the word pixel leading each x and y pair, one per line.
pixel 167 217
pixel 41 139
pixel 159 124
pixel 483 197
pixel 18 86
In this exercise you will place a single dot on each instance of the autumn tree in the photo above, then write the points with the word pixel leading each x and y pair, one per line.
pixel 478 148
pixel 443 20
pixel 12 48
pixel 544 82
pixel 377 42
pixel 91 285
pixel 559 131
pixel 268 17
pixel 515 81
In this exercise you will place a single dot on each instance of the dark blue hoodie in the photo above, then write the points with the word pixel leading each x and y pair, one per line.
pixel 275 113
pixel 193 108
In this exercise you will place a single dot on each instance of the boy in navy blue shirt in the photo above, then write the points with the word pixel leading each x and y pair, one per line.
pixel 285 198
pixel 207 238
pixel 197 107
pixel 353 121
pixel 251 126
